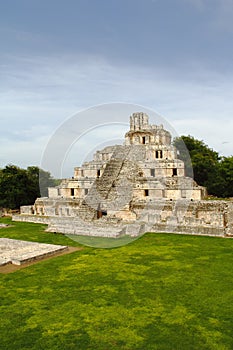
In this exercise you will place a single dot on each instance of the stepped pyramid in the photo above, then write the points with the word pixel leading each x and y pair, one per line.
pixel 129 189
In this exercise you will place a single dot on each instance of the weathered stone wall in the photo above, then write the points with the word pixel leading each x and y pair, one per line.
pixel 214 218
pixel 228 219
pixel 194 217
pixel 31 218
pixel 27 209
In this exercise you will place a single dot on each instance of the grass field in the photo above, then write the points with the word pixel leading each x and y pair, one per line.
pixel 162 291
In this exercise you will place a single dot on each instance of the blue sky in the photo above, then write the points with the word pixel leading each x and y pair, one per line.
pixel 60 57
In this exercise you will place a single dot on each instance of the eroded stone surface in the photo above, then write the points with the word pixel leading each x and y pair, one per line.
pixel 18 252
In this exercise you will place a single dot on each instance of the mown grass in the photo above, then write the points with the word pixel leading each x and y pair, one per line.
pixel 162 291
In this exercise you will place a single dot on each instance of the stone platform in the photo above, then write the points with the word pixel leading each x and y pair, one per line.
pixel 18 252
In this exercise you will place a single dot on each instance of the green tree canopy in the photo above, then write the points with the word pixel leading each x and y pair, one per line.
pixel 209 169
pixel 22 186
pixel 226 173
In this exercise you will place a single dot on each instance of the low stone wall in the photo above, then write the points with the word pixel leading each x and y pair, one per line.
pixel 191 230
pixel 212 218
pixel 229 220
pixel 31 218
pixel 194 217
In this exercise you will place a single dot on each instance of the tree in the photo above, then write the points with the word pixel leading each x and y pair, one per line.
pixel 13 187
pixel 22 187
pixel 45 181
pixel 41 180
pixel 226 171
pixel 205 162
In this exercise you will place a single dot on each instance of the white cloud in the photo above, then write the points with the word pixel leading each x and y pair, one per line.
pixel 217 135
pixel 22 152
pixel 40 93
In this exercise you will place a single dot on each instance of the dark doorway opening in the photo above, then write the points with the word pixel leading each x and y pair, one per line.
pixel 174 172
pixel 101 213
pixel 143 140
pixel 158 154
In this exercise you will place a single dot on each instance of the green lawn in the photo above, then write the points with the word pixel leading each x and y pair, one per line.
pixel 162 291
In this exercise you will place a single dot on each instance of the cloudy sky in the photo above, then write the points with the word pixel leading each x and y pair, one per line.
pixel 61 57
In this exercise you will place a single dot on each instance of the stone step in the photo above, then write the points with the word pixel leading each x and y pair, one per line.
pixel 103 190
pixel 77 227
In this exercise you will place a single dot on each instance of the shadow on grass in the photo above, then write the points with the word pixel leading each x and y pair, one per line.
pixel 102 242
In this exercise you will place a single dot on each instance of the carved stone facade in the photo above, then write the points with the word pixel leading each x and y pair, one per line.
pixel 130 188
